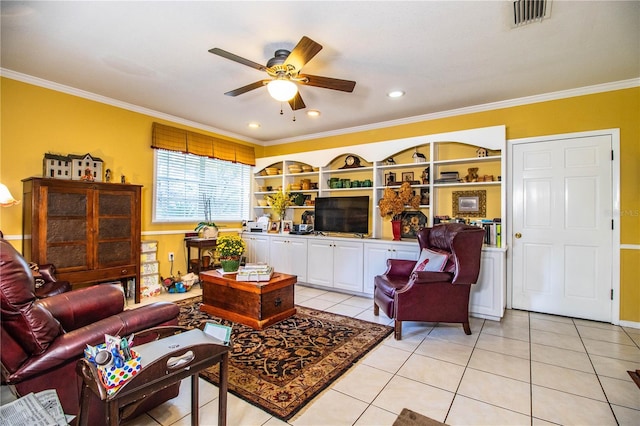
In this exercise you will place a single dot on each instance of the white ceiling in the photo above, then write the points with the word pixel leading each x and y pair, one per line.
pixel 444 54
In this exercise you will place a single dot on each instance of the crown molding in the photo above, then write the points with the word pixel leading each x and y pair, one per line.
pixel 119 104
pixel 581 91
pixel 570 93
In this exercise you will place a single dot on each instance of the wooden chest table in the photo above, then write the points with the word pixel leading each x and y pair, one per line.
pixel 256 304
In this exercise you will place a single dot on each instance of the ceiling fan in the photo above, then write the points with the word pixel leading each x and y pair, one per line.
pixel 284 69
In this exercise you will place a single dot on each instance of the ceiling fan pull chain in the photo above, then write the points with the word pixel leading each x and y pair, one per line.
pixel 281 113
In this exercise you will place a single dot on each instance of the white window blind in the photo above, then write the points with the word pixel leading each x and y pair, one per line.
pixel 183 181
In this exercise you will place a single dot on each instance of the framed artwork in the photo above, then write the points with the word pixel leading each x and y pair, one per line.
pixel 274 226
pixel 407 176
pixel 469 203
pixel 287 226
pixel 390 179
pixel 424 196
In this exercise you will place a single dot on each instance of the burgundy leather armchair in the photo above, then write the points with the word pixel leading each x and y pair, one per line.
pixel 47 284
pixel 42 339
pixel 433 296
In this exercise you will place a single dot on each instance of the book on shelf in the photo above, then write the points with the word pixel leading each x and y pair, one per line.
pixel 493 231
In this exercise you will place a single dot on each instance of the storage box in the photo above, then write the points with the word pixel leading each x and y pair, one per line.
pixel 147 268
pixel 112 378
pixel 149 246
pixel 149 257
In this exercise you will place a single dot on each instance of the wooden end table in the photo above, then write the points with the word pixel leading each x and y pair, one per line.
pixel 255 304
pixel 164 362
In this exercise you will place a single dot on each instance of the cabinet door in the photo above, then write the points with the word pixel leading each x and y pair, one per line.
pixel 114 224
pixel 261 249
pixel 488 295
pixel 298 258
pixel 278 254
pixel 257 250
pixel 375 263
pixel 320 262
pixel 348 263
pixel 375 259
pixel 65 237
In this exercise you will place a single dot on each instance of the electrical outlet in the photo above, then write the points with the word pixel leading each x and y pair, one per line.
pixel 170 256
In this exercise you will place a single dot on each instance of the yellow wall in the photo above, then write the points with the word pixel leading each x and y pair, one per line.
pixel 35 120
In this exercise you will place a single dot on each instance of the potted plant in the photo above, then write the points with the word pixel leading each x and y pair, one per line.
pixel 393 203
pixel 279 202
pixel 208 227
pixel 230 248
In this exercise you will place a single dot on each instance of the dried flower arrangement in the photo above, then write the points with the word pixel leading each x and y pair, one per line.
pixel 393 203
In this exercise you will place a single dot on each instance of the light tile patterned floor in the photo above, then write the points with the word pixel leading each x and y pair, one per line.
pixel 528 369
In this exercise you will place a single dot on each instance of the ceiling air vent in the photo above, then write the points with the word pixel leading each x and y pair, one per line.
pixel 529 11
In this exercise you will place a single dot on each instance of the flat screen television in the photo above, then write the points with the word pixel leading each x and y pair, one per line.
pixel 342 214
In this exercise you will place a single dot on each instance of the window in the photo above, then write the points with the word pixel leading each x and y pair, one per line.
pixel 184 181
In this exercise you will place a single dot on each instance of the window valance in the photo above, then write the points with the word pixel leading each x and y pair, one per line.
pixel 175 139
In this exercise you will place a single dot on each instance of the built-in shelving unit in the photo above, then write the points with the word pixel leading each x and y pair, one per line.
pixel 420 159
pixel 348 264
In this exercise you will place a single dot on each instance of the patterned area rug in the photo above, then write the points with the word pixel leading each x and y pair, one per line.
pixel 283 367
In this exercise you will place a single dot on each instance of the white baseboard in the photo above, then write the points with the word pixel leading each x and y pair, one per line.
pixel 630 324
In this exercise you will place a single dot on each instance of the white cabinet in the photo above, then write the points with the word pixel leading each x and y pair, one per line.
pixel 257 250
pixel 336 264
pixel 289 255
pixel 488 295
pixel 376 255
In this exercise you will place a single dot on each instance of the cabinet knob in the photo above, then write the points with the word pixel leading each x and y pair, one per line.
pixel 124 271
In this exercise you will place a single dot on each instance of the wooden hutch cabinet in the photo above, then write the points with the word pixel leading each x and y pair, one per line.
pixel 90 231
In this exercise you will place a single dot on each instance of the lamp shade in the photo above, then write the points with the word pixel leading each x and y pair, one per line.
pixel 282 89
pixel 6 199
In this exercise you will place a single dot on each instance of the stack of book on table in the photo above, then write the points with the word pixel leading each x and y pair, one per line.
pixel 255 272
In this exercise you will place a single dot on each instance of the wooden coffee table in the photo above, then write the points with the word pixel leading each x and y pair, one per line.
pixel 255 304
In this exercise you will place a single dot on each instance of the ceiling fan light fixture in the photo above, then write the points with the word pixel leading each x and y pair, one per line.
pixel 282 89
pixel 313 113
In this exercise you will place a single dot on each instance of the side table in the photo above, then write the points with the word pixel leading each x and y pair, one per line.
pixel 199 244
pixel 164 362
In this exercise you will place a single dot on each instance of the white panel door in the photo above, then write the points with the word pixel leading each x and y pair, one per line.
pixel 562 225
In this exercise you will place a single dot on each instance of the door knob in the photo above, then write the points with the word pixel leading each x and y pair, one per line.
pixel 518 235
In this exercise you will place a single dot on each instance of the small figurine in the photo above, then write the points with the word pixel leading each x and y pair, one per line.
pixel 87 175
pixel 123 179
pixel 107 175
pixel 482 152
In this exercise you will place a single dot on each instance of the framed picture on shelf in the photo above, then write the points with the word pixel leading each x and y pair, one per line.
pixel 287 226
pixel 407 176
pixel 424 196
pixel 469 203
pixel 390 179
pixel 274 226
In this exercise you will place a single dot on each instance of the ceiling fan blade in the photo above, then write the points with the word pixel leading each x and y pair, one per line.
pixel 303 52
pixel 237 58
pixel 296 102
pixel 248 87
pixel 328 82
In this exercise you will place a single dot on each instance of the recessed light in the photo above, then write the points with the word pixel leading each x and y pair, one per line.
pixel 254 125
pixel 313 113
pixel 395 94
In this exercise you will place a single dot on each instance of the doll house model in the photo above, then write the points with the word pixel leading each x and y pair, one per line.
pixel 72 167
pixel 482 152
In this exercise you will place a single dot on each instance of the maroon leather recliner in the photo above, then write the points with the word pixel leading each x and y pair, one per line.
pixel 42 339
pixel 405 295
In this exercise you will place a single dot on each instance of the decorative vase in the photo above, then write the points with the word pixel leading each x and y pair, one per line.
pixel 206 261
pixel 230 264
pixel 396 227
pixel 209 232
